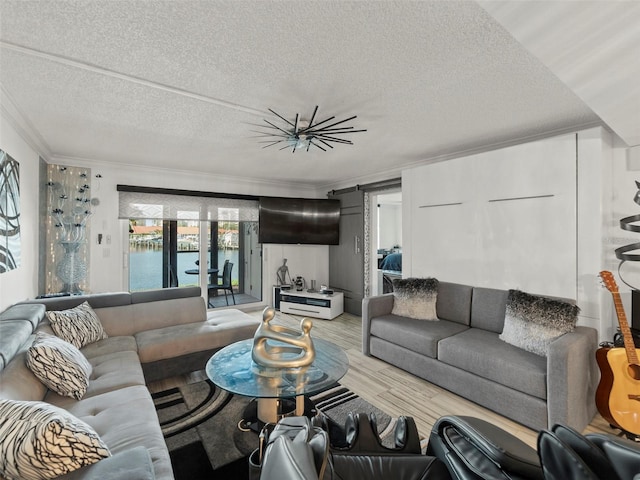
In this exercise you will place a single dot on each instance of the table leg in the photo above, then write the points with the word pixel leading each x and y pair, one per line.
pixel 268 410
pixel 300 405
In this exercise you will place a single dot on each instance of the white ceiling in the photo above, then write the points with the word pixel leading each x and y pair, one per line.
pixel 178 84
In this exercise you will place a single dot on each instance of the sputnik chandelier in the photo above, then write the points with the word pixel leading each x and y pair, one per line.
pixel 302 134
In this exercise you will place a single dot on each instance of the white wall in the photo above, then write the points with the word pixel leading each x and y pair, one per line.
pixel 22 283
pixel 555 249
pixel 310 262
pixel 389 225
pixel 623 172
pixel 499 219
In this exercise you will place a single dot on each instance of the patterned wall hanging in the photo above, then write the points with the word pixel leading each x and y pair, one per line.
pixel 9 213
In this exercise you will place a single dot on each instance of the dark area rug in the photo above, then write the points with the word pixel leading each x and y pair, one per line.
pixel 200 423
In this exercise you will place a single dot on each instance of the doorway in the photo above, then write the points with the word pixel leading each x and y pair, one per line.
pixel 385 235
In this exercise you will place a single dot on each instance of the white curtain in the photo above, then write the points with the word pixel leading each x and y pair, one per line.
pixel 182 207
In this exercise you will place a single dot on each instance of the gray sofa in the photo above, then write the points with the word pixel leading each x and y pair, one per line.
pixel 151 335
pixel 463 354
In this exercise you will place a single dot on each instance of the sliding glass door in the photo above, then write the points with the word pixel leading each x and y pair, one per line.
pixel 166 253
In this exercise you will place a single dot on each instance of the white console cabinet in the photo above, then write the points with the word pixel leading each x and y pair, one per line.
pixel 312 304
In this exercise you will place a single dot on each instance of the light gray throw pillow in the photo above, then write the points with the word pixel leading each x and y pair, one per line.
pixel 415 298
pixel 532 322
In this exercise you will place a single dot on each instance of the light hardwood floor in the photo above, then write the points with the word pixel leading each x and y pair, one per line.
pixel 392 389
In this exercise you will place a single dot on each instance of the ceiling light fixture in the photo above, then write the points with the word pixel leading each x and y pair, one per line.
pixel 302 134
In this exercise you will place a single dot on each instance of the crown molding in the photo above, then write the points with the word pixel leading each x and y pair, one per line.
pixel 22 125
pixel 397 172
pixel 249 182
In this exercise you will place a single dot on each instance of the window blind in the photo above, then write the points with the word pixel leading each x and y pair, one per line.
pixel 165 206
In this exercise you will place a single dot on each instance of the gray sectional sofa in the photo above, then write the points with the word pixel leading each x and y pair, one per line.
pixel 151 335
pixel 462 352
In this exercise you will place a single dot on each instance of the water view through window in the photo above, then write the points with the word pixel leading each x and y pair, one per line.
pixel 165 253
pixel 145 267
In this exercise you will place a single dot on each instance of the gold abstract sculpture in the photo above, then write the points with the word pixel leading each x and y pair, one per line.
pixel 269 351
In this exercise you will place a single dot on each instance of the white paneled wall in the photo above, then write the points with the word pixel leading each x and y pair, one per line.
pixel 500 219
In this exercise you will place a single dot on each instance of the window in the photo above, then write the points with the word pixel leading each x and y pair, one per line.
pixel 165 244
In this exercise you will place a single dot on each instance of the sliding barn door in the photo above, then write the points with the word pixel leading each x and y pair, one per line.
pixel 346 261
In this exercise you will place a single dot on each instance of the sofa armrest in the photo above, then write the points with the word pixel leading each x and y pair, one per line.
pixel 132 464
pixel 572 378
pixel 373 307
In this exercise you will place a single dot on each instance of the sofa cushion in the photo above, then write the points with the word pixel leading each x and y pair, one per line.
pixel 482 353
pixel 454 302
pixel 532 322
pixel 17 382
pixel 13 335
pixel 132 464
pixel 415 298
pixel 96 300
pixel 166 313
pixel 109 372
pixel 117 320
pixel 126 418
pixel 110 345
pixel 40 441
pixel 78 326
pixel 488 306
pixel 59 365
pixel 416 335
pixel 32 314
pixel 220 329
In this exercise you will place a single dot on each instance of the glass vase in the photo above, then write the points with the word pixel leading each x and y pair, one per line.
pixel 71 268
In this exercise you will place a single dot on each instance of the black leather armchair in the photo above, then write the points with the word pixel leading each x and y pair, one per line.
pixel 361 456
pixel 475 449
pixel 365 456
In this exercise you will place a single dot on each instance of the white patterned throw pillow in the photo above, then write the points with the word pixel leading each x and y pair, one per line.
pixel 532 322
pixel 41 441
pixel 415 298
pixel 59 365
pixel 79 326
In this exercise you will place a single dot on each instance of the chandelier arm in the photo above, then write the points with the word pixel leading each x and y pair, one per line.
pixel 273 143
pixel 326 129
pixel 338 123
pixel 313 116
pixel 278 128
pixel 280 116
pixel 326 143
pixel 295 127
pixel 334 139
pixel 266 134
pixel 337 130
pixel 311 142
pixel 319 123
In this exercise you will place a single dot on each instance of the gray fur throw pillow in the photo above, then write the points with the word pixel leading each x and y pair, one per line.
pixel 415 298
pixel 532 322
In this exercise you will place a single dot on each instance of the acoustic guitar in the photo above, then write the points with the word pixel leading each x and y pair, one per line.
pixel 618 393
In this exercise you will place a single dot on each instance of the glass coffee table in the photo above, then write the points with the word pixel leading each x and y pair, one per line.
pixel 277 391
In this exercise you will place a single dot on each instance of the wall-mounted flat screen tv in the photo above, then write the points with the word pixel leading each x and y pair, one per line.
pixel 299 220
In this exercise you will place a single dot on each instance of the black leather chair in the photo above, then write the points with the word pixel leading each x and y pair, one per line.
pixel 566 454
pixel 361 456
pixel 225 285
pixel 475 449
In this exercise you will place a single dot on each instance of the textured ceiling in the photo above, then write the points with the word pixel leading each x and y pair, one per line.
pixel 179 84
